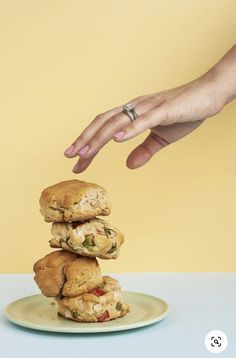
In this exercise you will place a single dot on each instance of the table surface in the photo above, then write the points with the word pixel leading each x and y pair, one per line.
pixel 199 303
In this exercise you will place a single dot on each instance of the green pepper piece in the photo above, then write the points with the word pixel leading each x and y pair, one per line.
pixel 119 306
pixel 89 242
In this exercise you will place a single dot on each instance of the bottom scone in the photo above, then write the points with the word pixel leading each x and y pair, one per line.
pixel 101 304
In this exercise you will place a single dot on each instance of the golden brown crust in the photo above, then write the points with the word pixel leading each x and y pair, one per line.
pixel 99 305
pixel 73 200
pixel 49 272
pixel 65 273
pixel 93 238
pixel 82 275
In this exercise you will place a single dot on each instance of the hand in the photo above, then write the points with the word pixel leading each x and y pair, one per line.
pixel 170 115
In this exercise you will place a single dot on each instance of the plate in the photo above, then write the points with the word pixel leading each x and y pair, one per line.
pixel 40 313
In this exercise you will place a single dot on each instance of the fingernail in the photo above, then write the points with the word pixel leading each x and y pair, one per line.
pixel 69 150
pixel 84 149
pixel 119 135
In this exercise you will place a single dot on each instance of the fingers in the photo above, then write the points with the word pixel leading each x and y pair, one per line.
pixel 110 127
pixel 146 121
pixel 90 131
pixel 82 164
pixel 138 157
pixel 159 138
pixel 145 151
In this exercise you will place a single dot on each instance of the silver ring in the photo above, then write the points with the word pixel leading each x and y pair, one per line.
pixel 129 110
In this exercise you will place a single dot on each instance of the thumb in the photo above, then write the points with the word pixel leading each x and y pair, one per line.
pixel 145 151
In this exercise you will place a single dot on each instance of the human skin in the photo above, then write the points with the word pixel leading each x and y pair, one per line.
pixel 169 115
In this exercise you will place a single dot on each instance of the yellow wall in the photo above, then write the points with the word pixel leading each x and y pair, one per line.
pixel 63 62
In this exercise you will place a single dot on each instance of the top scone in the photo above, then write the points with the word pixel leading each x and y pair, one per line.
pixel 73 200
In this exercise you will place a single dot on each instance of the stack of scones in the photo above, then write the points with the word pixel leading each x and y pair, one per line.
pixel 72 275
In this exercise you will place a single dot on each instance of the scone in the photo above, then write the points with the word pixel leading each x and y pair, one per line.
pixel 73 200
pixel 49 272
pixel 62 273
pixel 82 275
pixel 99 305
pixel 95 238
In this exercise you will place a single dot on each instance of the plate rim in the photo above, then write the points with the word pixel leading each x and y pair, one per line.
pixel 87 330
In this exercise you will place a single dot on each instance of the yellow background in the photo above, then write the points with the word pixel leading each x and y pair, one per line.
pixel 63 62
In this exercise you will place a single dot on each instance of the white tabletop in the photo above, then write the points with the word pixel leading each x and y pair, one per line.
pixel 199 303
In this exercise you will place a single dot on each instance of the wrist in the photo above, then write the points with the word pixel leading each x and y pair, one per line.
pixel 223 81
pixel 213 95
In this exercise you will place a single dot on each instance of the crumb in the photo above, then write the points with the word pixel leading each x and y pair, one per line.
pixel 53 303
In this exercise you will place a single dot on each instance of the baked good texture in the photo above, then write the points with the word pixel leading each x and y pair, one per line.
pixel 49 272
pixel 94 238
pixel 101 304
pixel 73 200
pixel 82 275
pixel 63 273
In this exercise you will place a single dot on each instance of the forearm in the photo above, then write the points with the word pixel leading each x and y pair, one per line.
pixel 224 76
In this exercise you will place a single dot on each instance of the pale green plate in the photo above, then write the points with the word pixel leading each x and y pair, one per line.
pixel 38 312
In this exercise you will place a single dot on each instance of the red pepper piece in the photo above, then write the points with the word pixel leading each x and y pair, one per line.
pixel 104 316
pixel 98 291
